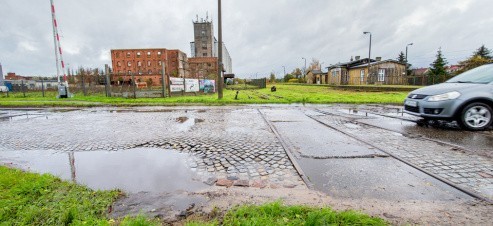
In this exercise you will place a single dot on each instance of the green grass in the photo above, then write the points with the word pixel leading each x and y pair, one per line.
pixel 33 199
pixel 278 214
pixel 286 94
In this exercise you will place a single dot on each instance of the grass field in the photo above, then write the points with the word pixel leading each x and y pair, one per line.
pixel 286 94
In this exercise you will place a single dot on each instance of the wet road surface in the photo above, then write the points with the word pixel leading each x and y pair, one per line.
pixel 344 167
pixel 162 152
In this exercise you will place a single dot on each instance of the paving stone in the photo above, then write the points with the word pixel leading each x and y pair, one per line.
pixel 241 183
pixel 224 183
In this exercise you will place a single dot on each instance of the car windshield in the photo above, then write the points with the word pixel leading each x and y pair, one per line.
pixel 483 74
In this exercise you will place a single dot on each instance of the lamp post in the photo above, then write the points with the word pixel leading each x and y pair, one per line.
pixel 410 44
pixel 304 69
pixel 284 70
pixel 414 79
pixel 220 53
pixel 369 55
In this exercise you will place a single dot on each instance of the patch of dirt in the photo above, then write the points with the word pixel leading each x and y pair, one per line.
pixel 215 201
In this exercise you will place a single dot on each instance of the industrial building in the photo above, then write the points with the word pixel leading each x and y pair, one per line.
pixel 146 64
pixel 204 51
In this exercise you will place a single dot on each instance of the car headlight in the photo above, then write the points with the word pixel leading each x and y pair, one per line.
pixel 446 96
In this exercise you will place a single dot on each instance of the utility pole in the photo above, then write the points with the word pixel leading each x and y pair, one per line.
pixel 220 51
pixel 107 78
pixel 304 69
pixel 134 84
pixel 1 75
pixel 284 70
pixel 163 80
pixel 369 56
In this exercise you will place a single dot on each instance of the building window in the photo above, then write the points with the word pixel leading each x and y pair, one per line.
pixel 129 72
pixel 138 54
pixel 117 55
pixel 381 75
pixel 334 73
pixel 160 63
pixel 204 54
pixel 149 63
pixel 119 64
pixel 129 63
pixel 148 54
pixel 128 54
pixel 150 71
pixel 139 64
pixel 159 53
pixel 362 75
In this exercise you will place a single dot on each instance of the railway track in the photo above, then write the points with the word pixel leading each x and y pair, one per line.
pixel 463 189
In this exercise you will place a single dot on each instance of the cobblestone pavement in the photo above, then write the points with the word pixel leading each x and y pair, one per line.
pixel 231 145
pixel 467 170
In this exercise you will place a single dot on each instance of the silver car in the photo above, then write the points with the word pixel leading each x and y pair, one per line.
pixel 467 98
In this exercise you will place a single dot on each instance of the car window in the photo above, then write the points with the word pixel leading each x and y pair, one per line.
pixel 483 74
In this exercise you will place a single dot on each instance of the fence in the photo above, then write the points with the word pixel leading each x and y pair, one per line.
pixel 421 80
pixel 116 85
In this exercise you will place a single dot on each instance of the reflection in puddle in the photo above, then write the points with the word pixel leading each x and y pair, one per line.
pixel 136 170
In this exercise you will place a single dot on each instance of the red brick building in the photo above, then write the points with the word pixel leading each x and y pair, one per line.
pixel 146 64
pixel 203 67
pixel 13 76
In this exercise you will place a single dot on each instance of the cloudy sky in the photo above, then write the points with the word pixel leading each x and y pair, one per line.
pixel 261 36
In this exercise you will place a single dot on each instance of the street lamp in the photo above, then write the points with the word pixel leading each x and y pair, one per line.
pixel 410 44
pixel 369 54
pixel 304 69
pixel 284 70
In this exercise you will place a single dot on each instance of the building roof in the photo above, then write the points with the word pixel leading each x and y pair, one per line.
pixel 317 72
pixel 378 62
pixel 420 71
pixel 351 63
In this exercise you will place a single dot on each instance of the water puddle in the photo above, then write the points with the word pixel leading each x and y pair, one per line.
pixel 135 170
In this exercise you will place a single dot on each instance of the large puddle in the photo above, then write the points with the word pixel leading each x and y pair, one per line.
pixel 135 170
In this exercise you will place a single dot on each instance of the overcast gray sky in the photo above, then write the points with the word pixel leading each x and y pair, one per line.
pixel 261 36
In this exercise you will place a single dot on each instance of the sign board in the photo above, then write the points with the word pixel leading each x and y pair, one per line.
pixel 176 88
pixel 207 86
pixel 192 85
pixel 176 81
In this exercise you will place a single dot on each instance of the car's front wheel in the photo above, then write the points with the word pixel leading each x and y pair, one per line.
pixel 475 116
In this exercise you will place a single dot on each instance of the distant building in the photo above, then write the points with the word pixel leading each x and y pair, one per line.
pixel 453 69
pixel 13 76
pixel 316 77
pixel 204 51
pixel 420 71
pixel 383 72
pixel 32 84
pixel 146 64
